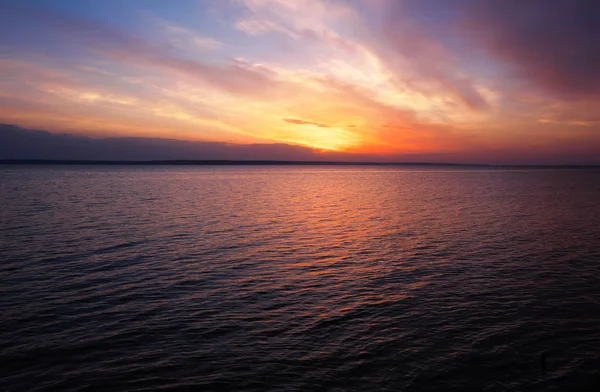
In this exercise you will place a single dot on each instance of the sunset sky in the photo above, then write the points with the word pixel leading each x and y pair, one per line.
pixel 505 81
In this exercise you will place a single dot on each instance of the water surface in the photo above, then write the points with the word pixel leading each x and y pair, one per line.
pixel 298 278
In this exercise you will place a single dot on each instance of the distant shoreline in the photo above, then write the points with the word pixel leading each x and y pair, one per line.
pixel 270 163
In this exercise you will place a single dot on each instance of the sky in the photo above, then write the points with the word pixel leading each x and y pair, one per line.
pixel 470 81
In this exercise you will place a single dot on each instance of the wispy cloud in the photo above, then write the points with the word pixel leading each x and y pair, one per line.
pixel 303 122
pixel 381 76
pixel 187 39
pixel 553 43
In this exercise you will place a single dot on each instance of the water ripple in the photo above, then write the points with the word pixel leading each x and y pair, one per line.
pixel 295 279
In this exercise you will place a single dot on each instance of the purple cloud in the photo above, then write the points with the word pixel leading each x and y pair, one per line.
pixel 555 43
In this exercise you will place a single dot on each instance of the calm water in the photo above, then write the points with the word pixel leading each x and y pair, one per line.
pixel 298 278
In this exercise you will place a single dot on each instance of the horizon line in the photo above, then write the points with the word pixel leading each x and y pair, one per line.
pixel 225 162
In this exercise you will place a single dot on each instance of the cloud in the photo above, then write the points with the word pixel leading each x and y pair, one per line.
pixel 417 77
pixel 302 122
pixel 311 20
pixel 554 43
pixel 19 143
pixel 388 49
pixel 102 39
pixel 418 58
pixel 294 18
pixel 187 39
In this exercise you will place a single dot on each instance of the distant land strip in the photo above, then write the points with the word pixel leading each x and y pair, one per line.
pixel 270 163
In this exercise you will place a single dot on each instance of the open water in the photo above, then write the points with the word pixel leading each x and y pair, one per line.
pixel 299 279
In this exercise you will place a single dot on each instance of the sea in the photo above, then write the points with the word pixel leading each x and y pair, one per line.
pixel 299 278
